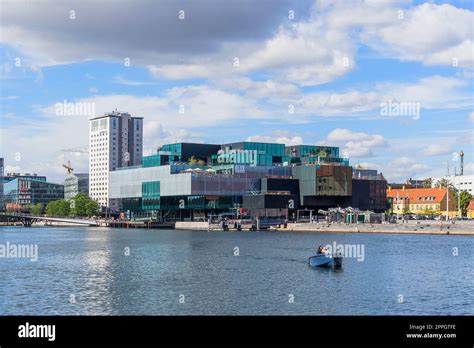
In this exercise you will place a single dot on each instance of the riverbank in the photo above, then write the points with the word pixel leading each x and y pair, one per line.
pixel 412 227
pixel 42 224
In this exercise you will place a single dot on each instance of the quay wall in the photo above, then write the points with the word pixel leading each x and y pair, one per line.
pixel 192 225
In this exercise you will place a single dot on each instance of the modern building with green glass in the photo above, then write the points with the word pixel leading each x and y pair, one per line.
pixel 193 181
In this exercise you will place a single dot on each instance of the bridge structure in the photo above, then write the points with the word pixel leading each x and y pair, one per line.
pixel 27 220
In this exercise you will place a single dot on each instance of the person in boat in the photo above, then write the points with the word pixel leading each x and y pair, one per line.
pixel 322 250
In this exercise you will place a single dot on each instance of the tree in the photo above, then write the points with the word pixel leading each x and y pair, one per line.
pixel 60 207
pixel 78 205
pixel 431 212
pixel 464 201
pixel 91 208
pixel 427 183
pixel 37 209
pixel 443 183
pixel 82 205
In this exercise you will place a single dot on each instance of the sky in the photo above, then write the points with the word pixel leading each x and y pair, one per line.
pixel 389 82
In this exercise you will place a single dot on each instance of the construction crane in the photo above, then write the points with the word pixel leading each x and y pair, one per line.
pixel 68 167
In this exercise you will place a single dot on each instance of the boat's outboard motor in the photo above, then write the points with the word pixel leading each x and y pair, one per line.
pixel 337 261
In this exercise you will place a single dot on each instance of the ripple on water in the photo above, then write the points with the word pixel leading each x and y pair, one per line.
pixel 164 265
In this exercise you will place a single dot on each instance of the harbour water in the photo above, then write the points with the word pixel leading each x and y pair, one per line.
pixel 92 271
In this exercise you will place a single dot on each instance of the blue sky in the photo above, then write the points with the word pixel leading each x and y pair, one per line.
pixel 335 63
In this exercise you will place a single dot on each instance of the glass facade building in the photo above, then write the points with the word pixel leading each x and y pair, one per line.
pixel 315 154
pixel 181 153
pixel 169 186
pixel 22 191
pixel 251 153
pixel 11 176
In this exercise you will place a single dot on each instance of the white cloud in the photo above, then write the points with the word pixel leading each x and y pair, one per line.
pixel 443 32
pixel 123 81
pixel 40 142
pixel 322 48
pixel 312 49
pixel 200 105
pixel 183 71
pixel 5 69
pixel 403 168
pixel 471 116
pixel 281 137
pixel 12 169
pixel 336 104
pixel 432 92
pixel 366 165
pixel 155 136
pixel 258 89
pixel 437 149
pixel 355 144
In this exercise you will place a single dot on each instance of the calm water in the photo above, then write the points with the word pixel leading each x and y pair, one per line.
pixel 163 265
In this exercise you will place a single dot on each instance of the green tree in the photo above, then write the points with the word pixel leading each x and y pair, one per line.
pixel 427 183
pixel 464 201
pixel 446 184
pixel 82 205
pixel 431 212
pixel 78 205
pixel 51 208
pixel 59 207
pixel 91 208
pixel 37 209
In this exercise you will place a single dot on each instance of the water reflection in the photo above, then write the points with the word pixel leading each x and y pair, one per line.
pixel 92 265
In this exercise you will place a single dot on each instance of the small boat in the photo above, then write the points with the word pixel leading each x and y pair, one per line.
pixel 326 260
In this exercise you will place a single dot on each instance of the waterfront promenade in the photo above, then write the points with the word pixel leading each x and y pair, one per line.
pixel 410 227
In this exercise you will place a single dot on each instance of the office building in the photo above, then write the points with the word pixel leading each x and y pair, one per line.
pixel 189 181
pixel 11 176
pixel 459 182
pixel 26 191
pixel 116 141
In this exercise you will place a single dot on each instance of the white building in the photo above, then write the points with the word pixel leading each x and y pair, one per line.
pixel 460 182
pixel 115 140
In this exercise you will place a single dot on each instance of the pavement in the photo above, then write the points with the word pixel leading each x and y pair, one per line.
pixel 409 227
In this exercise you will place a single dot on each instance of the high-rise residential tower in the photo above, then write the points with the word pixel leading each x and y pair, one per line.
pixel 116 140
